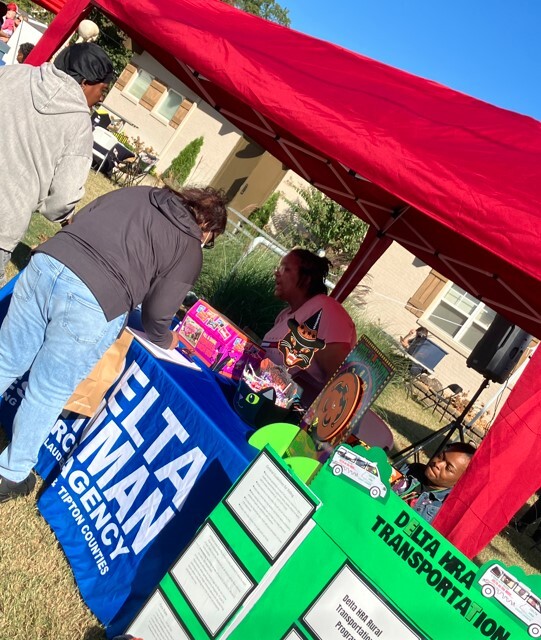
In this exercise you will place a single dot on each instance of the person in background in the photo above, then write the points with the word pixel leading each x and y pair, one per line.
pixel 426 486
pixel 46 157
pixel 132 246
pixel 414 339
pixel 10 23
pixel 3 11
pixel 314 333
pixel 3 46
pixel 24 52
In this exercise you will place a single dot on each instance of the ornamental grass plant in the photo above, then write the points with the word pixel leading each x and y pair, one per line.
pixel 240 287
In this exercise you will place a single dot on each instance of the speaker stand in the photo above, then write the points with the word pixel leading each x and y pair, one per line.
pixel 448 430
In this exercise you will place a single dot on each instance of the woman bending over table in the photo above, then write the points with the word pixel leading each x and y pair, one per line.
pixel 314 333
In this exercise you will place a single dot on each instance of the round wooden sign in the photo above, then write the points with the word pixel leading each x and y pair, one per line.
pixel 337 405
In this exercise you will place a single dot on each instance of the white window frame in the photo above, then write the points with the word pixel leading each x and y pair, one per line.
pixel 452 341
pixel 156 107
pixel 126 91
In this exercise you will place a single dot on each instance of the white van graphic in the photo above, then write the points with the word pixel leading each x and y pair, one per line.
pixel 359 469
pixel 513 595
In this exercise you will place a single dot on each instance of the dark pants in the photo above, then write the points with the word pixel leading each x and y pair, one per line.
pixel 530 516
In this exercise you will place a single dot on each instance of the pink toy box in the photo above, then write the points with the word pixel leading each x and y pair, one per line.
pixel 217 341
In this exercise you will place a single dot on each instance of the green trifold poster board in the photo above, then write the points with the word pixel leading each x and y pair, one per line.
pixel 342 559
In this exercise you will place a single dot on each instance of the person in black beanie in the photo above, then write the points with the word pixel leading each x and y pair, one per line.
pixel 89 65
pixel 47 156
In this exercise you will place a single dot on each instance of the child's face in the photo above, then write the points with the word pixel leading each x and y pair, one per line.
pixel 11 14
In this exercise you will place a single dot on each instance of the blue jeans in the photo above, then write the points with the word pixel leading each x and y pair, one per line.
pixel 56 328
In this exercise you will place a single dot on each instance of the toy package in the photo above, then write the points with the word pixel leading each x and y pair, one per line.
pixel 218 341
pixel 269 376
pixel 266 394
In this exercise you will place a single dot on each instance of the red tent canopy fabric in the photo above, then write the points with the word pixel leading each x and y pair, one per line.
pixel 451 178
pixel 51 5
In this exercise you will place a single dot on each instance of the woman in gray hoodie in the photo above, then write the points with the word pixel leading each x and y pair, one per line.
pixel 47 138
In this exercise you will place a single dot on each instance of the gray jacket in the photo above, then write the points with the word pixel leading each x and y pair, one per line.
pixel 46 147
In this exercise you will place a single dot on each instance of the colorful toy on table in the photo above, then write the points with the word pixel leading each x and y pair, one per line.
pixel 267 375
pixel 217 341
pixel 266 393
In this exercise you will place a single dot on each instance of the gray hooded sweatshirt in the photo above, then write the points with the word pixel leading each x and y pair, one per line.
pixel 46 147
pixel 132 246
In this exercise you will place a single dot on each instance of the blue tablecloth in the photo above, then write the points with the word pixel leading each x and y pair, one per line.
pixel 142 476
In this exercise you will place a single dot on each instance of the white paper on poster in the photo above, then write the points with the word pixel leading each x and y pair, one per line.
pixel 348 607
pixel 269 505
pixel 211 579
pixel 156 621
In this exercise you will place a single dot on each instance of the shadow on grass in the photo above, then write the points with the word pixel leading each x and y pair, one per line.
pixel 21 255
pixel 95 633
pixel 522 545
pixel 413 431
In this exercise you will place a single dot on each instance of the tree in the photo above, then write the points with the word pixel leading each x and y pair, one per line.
pixel 268 9
pixel 262 214
pixel 112 40
pixel 182 165
pixel 35 11
pixel 324 224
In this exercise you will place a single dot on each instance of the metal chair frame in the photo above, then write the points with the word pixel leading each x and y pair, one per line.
pixel 439 399
pixel 129 174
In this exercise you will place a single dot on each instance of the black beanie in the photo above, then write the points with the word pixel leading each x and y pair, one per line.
pixel 85 61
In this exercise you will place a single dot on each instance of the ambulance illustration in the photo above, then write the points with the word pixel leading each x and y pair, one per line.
pixel 359 469
pixel 514 596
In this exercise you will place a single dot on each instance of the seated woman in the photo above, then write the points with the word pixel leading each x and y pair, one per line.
pixel 414 339
pixel 314 333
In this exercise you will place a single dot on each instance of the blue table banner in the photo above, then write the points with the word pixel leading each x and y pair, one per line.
pixel 146 472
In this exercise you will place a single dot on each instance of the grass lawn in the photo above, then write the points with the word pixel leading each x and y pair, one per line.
pixel 38 596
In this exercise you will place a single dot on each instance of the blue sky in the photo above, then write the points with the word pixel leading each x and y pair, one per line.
pixel 490 49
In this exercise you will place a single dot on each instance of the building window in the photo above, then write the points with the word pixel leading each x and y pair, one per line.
pixel 169 105
pixel 460 316
pixel 140 83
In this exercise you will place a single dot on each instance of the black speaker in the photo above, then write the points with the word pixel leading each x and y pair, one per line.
pixel 499 350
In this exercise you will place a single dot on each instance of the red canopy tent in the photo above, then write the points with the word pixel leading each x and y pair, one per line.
pixel 453 179
pixel 51 5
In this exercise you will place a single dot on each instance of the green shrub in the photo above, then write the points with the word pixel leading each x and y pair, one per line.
pixel 324 224
pixel 262 215
pixel 183 164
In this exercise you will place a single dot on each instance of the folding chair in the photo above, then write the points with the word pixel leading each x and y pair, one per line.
pixel 441 399
pixel 424 358
pixel 129 174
